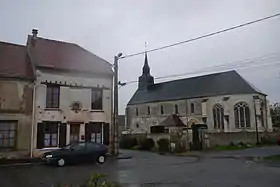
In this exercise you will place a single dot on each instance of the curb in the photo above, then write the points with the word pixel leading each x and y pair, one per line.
pixel 16 164
pixel 20 162
pixel 124 157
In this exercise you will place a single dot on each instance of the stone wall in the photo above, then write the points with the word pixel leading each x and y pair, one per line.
pixel 236 137
pixel 16 98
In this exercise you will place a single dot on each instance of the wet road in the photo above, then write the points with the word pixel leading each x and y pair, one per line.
pixel 150 168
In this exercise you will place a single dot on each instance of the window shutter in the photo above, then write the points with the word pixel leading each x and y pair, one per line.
pixel 40 136
pixel 62 135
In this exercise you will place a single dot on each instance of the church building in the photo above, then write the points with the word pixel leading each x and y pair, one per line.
pixel 224 101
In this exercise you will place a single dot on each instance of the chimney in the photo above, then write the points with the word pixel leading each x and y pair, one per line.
pixel 34 36
pixel 34 33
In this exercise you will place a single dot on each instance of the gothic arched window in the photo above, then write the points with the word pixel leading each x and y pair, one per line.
pixel 192 108
pixel 242 115
pixel 176 109
pixel 218 116
pixel 161 109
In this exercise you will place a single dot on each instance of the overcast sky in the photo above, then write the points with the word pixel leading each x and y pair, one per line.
pixel 107 27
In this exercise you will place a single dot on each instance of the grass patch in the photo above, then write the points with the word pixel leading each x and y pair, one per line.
pixel 273 158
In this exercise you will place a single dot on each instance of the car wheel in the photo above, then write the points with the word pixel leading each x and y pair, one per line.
pixel 61 162
pixel 101 159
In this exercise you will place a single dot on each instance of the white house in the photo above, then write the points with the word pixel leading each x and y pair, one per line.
pixel 72 94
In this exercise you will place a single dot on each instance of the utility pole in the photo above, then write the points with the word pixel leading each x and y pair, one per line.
pixel 115 129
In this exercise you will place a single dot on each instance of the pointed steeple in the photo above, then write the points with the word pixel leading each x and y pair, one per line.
pixel 146 67
pixel 145 80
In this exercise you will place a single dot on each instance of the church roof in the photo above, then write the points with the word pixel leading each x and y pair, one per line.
pixel 224 83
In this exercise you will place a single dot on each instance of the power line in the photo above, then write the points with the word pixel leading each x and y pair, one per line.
pixel 203 36
pixel 222 67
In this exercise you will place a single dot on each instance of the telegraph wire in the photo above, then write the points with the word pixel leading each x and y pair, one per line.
pixel 203 36
pixel 243 65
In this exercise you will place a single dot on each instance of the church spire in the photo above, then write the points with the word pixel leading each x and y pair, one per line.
pixel 146 67
pixel 145 80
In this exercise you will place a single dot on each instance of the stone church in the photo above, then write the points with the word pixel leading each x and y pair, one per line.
pixel 224 101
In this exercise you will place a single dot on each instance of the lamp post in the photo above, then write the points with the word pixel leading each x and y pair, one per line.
pixel 115 129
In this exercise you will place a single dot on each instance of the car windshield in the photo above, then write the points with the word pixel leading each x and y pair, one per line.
pixel 70 146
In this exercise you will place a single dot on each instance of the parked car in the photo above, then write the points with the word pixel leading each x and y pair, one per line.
pixel 75 153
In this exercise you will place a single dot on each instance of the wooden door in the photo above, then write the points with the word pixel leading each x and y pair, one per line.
pixel 74 133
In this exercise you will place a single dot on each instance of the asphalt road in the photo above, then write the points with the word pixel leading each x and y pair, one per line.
pixel 154 170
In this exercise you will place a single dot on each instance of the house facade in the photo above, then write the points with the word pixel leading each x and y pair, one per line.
pixel 224 101
pixel 52 93
pixel 16 90
pixel 73 94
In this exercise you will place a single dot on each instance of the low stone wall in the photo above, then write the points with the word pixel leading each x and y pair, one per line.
pixel 237 137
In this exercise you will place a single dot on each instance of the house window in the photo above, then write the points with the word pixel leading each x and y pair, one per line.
pixel 149 111
pixel 96 99
pixel 52 99
pixel 176 109
pixel 50 134
pixel 192 108
pixel 161 109
pixel 136 112
pixel 7 134
pixel 218 116
pixel 242 115
pixel 137 125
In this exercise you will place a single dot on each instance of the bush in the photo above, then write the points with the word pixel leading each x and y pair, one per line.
pixel 163 145
pixel 147 144
pixel 266 140
pixel 179 148
pixel 96 180
pixel 242 144
pixel 231 144
pixel 128 142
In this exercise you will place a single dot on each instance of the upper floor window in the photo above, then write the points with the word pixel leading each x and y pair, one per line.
pixel 96 99
pixel 192 108
pixel 218 116
pixel 149 111
pixel 242 115
pixel 136 111
pixel 176 109
pixel 161 109
pixel 52 99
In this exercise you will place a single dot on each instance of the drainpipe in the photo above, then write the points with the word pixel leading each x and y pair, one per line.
pixel 33 119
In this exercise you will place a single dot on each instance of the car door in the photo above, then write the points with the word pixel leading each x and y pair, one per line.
pixel 78 153
pixel 93 150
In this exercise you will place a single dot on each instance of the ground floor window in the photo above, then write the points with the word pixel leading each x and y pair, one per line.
pixel 97 132
pixel 8 134
pixel 47 135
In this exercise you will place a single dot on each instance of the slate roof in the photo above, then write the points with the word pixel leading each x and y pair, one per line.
pixel 14 62
pixel 60 55
pixel 173 121
pixel 224 83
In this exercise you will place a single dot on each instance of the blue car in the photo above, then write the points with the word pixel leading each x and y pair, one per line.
pixel 76 153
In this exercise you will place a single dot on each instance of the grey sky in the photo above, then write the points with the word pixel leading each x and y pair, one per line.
pixel 110 26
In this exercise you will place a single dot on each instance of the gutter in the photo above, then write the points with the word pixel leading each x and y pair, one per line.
pixel 33 120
